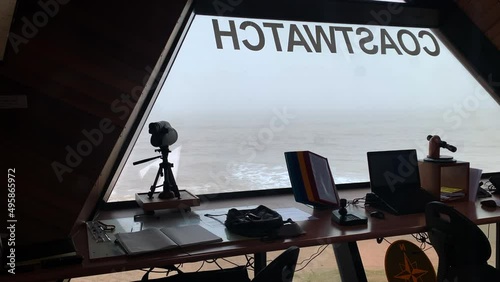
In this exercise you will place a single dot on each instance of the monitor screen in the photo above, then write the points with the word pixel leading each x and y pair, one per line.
pixel 393 170
pixel 311 179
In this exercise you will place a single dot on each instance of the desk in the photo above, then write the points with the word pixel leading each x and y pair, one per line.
pixel 319 232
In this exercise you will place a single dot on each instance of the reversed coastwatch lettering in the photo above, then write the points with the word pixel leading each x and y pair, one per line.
pixel 315 38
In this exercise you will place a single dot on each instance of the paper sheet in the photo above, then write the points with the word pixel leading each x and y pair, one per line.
pixel 474 178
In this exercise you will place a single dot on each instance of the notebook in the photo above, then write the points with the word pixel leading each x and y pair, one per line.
pixel 395 179
pixel 154 239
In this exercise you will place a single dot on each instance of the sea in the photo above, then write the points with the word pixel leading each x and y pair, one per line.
pixel 246 152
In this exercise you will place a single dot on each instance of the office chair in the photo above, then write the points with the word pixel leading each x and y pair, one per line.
pixel 281 269
pixel 462 247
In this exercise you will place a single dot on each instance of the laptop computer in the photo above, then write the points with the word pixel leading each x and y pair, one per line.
pixel 395 180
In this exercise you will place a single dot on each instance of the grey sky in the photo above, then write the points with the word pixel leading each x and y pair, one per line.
pixel 206 79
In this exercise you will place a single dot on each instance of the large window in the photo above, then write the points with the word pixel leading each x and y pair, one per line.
pixel 241 92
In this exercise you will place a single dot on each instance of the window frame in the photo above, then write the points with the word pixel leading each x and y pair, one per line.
pixel 349 12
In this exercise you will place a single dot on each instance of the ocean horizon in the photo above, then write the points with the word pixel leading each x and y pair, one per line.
pixel 216 155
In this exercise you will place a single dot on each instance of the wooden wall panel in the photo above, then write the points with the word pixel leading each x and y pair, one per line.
pixel 85 56
pixel 7 8
pixel 486 15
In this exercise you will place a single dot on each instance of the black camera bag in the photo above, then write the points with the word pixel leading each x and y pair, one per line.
pixel 258 222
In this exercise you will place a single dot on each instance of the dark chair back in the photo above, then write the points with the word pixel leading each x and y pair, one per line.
pixel 458 241
pixel 281 269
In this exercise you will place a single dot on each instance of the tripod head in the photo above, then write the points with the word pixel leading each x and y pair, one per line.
pixel 149 159
pixel 146 160
pixel 443 144
pixel 435 145
pixel 162 134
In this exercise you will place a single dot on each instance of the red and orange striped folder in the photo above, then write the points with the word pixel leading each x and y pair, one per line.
pixel 311 179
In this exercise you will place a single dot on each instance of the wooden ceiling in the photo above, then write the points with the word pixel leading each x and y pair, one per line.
pixel 486 15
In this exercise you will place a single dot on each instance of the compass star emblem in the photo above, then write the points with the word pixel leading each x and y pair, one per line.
pixel 410 271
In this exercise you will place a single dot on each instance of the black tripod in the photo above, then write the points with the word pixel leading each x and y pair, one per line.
pixel 170 189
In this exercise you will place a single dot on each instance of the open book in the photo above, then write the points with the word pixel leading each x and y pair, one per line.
pixel 154 239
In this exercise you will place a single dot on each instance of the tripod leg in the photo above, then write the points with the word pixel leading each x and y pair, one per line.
pixel 153 187
pixel 171 181
pixel 167 187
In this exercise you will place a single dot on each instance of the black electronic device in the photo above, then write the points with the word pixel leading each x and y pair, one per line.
pixel 342 217
pixel 377 214
pixel 482 193
pixel 374 201
pixel 290 229
pixel 495 181
pixel 489 204
pixel 395 180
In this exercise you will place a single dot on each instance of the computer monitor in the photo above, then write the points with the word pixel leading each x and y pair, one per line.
pixel 311 179
pixel 393 171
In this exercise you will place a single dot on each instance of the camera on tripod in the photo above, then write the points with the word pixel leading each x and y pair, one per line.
pixel 163 135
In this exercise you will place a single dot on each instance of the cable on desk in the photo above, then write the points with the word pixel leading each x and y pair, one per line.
pixel 423 238
pixel 318 252
pixel 250 261
pixel 214 217
pixel 357 201
pixel 106 227
pixel 228 261
pixel 168 268
pixel 202 264
pixel 215 262
pixel 248 265
pixel 145 277
pixel 380 240
pixel 489 186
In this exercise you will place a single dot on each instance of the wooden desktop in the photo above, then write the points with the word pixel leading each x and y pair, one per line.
pixel 319 231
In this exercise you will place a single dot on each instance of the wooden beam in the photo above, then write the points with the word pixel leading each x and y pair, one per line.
pixel 6 13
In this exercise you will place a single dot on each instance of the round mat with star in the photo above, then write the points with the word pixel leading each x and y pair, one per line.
pixel 406 262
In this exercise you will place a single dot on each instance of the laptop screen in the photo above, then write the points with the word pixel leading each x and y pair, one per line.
pixel 393 171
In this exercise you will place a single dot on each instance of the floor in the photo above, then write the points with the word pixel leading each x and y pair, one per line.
pixel 312 266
